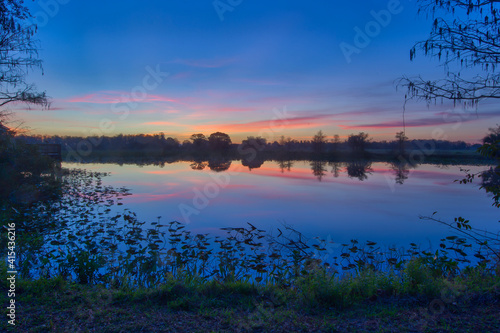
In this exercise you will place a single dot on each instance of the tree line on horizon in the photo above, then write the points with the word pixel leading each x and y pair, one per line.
pixel 221 142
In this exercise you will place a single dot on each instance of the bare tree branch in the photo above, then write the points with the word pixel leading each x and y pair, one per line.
pixel 470 39
pixel 18 55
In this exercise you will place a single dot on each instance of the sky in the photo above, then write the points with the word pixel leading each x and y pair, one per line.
pixel 242 67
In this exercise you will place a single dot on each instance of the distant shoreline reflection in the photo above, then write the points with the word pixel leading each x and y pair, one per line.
pixel 360 169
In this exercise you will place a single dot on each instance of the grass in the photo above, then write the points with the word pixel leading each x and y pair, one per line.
pixel 57 305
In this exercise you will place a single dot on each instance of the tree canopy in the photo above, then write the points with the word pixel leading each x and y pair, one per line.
pixel 199 140
pixel 358 142
pixel 465 35
pixel 18 55
pixel 319 142
pixel 219 141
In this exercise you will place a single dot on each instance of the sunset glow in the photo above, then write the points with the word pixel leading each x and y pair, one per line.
pixel 177 68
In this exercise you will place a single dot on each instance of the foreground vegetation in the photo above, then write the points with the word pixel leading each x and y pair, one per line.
pixel 181 305
pixel 85 264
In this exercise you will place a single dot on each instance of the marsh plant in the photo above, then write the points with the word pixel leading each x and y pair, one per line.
pixel 85 236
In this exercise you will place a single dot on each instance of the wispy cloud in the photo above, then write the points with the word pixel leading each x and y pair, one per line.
pixel 52 108
pixel 162 123
pixel 262 82
pixel 233 109
pixel 181 75
pixel 423 122
pixel 112 97
pixel 204 63
pixel 255 126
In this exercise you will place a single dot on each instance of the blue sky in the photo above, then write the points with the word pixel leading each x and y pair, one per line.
pixel 242 67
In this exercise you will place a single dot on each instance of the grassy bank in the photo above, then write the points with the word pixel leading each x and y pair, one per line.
pixel 367 302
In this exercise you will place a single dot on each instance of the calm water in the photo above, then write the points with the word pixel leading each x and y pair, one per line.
pixel 338 201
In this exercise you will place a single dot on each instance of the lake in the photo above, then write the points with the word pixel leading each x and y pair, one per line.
pixel 340 201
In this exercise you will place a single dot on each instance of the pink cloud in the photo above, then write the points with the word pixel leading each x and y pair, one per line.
pixel 239 186
pixel 233 109
pixel 161 123
pixel 445 118
pixel 171 111
pixel 392 124
pixel 255 126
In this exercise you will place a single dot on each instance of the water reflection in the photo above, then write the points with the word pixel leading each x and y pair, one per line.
pixel 491 183
pixel 356 169
pixel 198 165
pixel 319 169
pixel 285 165
pixel 336 167
pixel 252 164
pixel 219 165
pixel 359 169
pixel 402 170
pixel 321 197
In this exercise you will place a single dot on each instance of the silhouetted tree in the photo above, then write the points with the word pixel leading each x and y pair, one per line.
pixel 493 136
pixel 358 142
pixel 219 141
pixel 18 55
pixel 257 143
pixel 491 177
pixel 466 33
pixel 336 142
pixel 187 145
pixel 491 143
pixel 286 143
pixel 171 144
pixel 319 142
pixel 199 141
pixel 401 141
